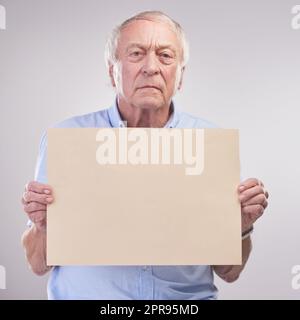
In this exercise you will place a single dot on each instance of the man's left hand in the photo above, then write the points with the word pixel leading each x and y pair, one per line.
pixel 253 198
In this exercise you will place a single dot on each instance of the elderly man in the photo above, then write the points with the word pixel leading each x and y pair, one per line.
pixel 146 57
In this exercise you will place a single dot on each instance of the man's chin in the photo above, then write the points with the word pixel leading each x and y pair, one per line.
pixel 149 102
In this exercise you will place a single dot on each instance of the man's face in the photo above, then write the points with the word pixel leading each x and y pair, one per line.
pixel 150 54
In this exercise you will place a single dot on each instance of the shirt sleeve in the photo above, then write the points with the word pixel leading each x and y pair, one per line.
pixel 40 174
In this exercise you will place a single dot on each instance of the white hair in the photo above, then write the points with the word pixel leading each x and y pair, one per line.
pixel 111 47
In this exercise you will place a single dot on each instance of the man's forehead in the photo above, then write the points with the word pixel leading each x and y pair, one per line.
pixel 144 32
pixel 146 28
pixel 145 45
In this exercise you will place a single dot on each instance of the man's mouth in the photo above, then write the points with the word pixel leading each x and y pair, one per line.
pixel 150 87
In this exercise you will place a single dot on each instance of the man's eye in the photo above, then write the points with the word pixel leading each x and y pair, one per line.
pixel 165 55
pixel 135 53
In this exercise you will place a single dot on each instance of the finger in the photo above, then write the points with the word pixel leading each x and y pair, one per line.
pixel 258 199
pixel 267 194
pixel 37 216
pixel 249 183
pixel 265 204
pixel 38 187
pixel 34 206
pixel 250 193
pixel 30 196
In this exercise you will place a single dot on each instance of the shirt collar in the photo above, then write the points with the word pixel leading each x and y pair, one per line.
pixel 116 120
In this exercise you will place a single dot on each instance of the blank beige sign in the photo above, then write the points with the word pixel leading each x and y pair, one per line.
pixel 140 196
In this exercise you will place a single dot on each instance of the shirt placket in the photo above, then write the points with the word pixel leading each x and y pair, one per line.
pixel 146 283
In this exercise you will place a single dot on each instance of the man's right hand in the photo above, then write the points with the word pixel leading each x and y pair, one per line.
pixel 35 200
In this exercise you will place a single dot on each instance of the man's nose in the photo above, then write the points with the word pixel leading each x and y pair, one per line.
pixel 151 65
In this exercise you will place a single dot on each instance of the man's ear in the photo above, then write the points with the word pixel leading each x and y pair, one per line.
pixel 111 75
pixel 181 78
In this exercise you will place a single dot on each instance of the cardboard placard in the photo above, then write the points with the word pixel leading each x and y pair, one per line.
pixel 141 196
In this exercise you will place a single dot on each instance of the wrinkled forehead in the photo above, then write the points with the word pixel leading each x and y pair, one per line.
pixel 150 34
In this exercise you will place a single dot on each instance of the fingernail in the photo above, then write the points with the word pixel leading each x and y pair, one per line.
pixel 47 191
pixel 50 199
pixel 241 188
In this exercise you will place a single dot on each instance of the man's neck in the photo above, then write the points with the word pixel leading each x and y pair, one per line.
pixel 143 117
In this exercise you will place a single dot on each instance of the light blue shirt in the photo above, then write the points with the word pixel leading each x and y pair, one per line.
pixel 127 282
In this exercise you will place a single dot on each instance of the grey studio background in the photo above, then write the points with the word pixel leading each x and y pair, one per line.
pixel 244 72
